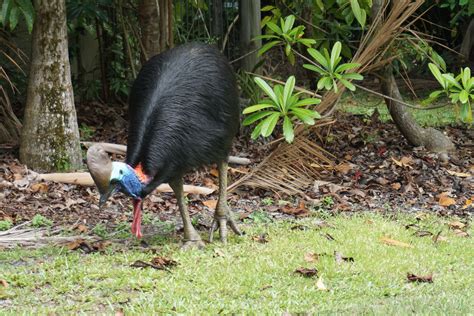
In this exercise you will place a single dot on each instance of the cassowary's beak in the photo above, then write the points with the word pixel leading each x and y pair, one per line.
pixel 100 167
pixel 105 196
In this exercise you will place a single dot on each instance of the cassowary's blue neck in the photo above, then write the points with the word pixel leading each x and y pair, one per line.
pixel 128 179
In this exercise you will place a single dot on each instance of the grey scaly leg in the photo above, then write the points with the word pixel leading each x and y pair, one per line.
pixel 191 237
pixel 222 216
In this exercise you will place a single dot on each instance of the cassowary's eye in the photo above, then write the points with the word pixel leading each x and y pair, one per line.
pixel 121 171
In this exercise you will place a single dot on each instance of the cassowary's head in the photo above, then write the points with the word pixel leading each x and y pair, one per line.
pixel 111 177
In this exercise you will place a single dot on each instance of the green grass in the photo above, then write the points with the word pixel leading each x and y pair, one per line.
pixel 362 103
pixel 250 277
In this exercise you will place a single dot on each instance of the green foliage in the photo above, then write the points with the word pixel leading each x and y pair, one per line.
pixel 12 10
pixel 5 225
pixel 259 217
pixel 285 34
pixel 459 89
pixel 100 230
pixel 86 131
pixel 40 221
pixel 267 201
pixel 281 104
pixel 330 70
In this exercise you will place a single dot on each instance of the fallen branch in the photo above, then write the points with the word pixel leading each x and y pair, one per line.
pixel 122 150
pixel 84 178
pixel 34 238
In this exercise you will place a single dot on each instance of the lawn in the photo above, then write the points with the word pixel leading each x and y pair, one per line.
pixel 250 275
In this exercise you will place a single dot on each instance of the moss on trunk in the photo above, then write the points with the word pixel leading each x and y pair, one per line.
pixel 50 135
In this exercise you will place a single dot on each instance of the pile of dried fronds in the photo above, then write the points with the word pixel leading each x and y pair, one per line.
pixel 292 167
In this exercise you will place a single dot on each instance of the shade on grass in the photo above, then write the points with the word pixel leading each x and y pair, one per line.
pixel 252 277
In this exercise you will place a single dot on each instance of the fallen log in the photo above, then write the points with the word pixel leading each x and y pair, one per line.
pixel 122 150
pixel 84 178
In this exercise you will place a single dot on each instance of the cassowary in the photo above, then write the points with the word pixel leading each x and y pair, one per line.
pixel 183 114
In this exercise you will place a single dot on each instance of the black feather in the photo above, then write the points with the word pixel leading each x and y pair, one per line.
pixel 184 112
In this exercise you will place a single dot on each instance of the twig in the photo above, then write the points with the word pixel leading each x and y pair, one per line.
pixel 226 37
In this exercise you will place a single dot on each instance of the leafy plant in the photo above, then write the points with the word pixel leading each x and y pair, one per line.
pixel 5 225
pixel 12 10
pixel 259 217
pixel 286 35
pixel 267 201
pixel 459 89
pixel 281 104
pixel 40 221
pixel 100 230
pixel 330 70
pixel 86 131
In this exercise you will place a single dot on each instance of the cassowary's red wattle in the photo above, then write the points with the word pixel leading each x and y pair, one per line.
pixel 137 218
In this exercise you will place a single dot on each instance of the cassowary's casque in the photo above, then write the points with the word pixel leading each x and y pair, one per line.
pixel 184 114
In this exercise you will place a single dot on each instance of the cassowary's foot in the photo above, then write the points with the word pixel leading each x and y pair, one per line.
pixel 222 217
pixel 192 244
pixel 191 240
pixel 191 237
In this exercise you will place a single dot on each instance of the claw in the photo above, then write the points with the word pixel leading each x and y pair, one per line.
pixel 221 221
pixel 192 244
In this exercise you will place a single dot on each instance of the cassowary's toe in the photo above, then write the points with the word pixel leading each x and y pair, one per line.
pixel 192 244
pixel 221 223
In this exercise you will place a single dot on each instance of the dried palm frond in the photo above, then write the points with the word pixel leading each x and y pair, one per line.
pixel 290 168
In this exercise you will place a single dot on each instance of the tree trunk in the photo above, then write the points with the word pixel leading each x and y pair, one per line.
pixel 249 28
pixel 156 23
pixel 217 26
pixel 50 136
pixel 432 139
pixel 467 46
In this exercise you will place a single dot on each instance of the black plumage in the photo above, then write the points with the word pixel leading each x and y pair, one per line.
pixel 184 113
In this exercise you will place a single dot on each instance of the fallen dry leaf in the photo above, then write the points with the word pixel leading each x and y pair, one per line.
pixel 260 238
pixel 456 225
pixel 39 187
pixel 3 283
pixel 307 272
pixel 467 203
pixel 159 263
pixel 163 262
pixel 214 172
pixel 82 228
pixel 445 200
pixel 218 253
pixel 300 211
pixel 210 204
pixel 420 278
pixel 404 162
pixel 423 233
pixel 119 312
pixel 393 242
pixel 460 233
pixel 343 168
pixel 87 247
pixel 396 186
pixel 437 238
pixel 459 174
pixel 311 257
pixel 320 284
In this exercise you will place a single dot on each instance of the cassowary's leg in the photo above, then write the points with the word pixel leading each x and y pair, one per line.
pixel 222 215
pixel 191 237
